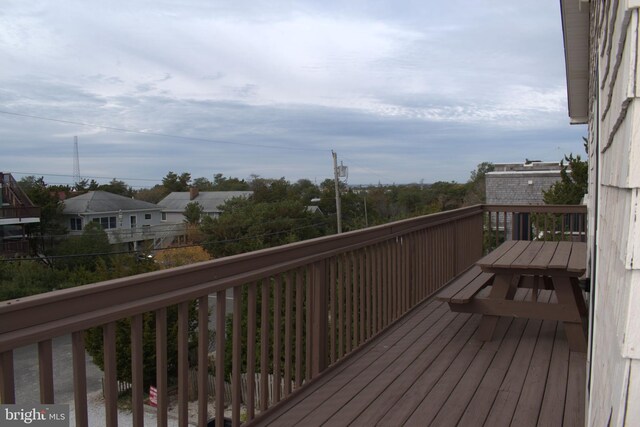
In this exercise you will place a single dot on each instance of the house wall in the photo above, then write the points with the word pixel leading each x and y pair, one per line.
pixel 614 202
pixel 123 231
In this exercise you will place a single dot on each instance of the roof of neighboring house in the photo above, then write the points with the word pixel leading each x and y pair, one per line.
pixel 209 200
pixel 103 201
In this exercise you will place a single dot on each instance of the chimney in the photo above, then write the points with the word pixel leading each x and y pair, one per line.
pixel 193 193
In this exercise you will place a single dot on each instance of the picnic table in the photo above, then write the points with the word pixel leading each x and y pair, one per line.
pixel 533 264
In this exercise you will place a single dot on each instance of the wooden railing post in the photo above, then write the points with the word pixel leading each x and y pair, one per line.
pixel 319 318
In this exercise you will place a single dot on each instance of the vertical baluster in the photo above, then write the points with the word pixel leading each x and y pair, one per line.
pixel 299 322
pixel 348 296
pixel 287 332
pixel 251 351
pixel 137 378
pixel 110 374
pixel 203 360
pixel 161 366
pixel 308 323
pixel 183 364
pixel 80 380
pixel 333 326
pixel 45 363
pixel 340 317
pixel 368 290
pixel 362 306
pixel 7 384
pixel 277 339
pixel 378 307
pixel 220 341
pixel 264 347
pixel 236 390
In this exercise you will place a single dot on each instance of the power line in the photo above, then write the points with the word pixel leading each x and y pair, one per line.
pixel 51 257
pixel 165 135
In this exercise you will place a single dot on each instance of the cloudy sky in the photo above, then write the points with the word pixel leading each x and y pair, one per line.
pixel 403 91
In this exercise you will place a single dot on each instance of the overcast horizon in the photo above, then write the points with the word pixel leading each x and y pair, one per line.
pixel 402 91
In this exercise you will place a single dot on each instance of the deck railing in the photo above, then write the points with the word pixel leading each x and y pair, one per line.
pixel 296 310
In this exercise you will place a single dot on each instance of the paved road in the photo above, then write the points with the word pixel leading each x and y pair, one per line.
pixel 25 361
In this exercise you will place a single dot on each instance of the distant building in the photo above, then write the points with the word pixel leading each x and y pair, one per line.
pixel 174 204
pixel 521 183
pixel 16 211
pixel 124 219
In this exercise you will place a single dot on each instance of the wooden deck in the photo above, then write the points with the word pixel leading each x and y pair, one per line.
pixel 429 368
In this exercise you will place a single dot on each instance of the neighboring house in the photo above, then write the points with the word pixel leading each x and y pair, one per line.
pixel 16 211
pixel 174 204
pixel 603 82
pixel 125 220
pixel 520 183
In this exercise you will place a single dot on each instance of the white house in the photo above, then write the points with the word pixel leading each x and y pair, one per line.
pixel 602 43
pixel 125 220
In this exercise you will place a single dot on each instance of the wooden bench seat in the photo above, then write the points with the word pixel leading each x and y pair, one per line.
pixel 462 288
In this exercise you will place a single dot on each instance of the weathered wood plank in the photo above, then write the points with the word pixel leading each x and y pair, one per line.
pixel 316 393
pixel 561 256
pixel 552 410
pixel 375 400
pixel 542 259
pixel 469 291
pixel 458 283
pixel 528 255
pixel 493 256
pixel 506 260
pixel 578 258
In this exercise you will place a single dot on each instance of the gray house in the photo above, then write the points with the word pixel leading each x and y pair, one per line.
pixel 174 204
pixel 521 183
pixel 124 219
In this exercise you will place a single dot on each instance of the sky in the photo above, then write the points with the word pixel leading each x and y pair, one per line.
pixel 403 91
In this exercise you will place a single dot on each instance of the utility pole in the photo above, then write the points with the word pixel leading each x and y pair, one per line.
pixel 337 182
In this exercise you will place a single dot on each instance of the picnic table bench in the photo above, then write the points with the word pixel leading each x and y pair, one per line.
pixel 514 264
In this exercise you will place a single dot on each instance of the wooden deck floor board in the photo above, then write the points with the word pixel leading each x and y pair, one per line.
pixel 347 393
pixel 326 387
pixel 552 411
pixel 430 366
pixel 385 384
pixel 507 398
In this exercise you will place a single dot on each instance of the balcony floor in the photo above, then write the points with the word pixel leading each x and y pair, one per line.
pixel 429 368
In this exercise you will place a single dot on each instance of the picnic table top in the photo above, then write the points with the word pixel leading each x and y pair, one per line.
pixel 522 256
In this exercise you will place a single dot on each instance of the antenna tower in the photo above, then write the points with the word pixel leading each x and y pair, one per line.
pixel 76 162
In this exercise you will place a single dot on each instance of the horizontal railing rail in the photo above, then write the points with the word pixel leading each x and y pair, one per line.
pixel 19 212
pixel 534 222
pixel 282 315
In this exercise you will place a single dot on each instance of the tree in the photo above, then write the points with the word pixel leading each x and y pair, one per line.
pixel 174 182
pixel 84 250
pixel 153 194
pixel 202 184
pixel 94 345
pixel 116 186
pixel 246 225
pixel 51 207
pixel 175 257
pixel 476 186
pixel 193 213
pixel 573 184
pixel 221 183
